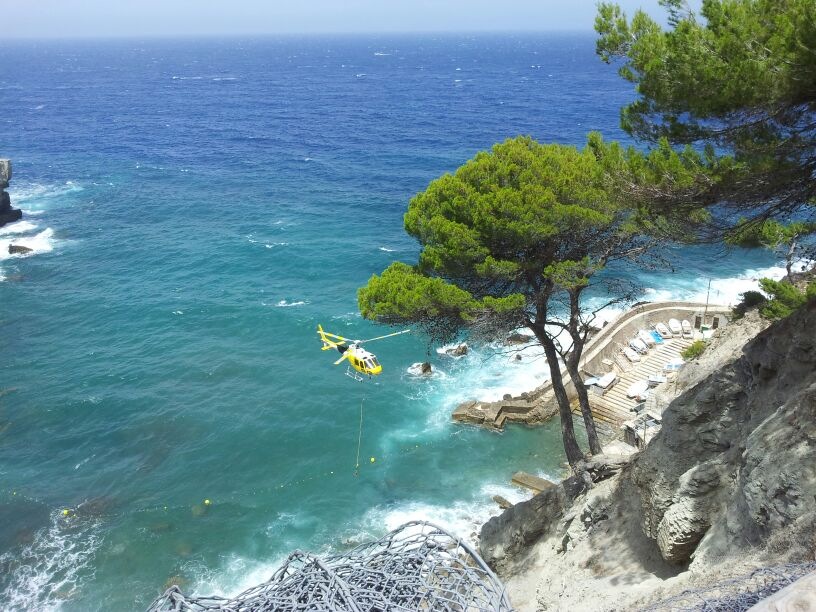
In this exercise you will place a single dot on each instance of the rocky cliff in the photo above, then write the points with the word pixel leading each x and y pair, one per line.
pixel 7 213
pixel 729 483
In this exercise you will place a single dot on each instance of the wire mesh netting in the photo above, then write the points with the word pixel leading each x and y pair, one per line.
pixel 418 566
pixel 736 594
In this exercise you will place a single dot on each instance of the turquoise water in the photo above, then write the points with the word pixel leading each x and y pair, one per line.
pixel 196 209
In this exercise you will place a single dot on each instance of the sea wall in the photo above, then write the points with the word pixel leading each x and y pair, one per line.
pixel 7 213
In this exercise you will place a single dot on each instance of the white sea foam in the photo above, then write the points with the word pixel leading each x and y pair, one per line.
pixel 461 518
pixel 35 197
pixel 18 227
pixel 38 243
pixel 387 250
pixel 285 304
pixel 51 569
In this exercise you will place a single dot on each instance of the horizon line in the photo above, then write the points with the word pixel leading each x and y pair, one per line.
pixel 304 34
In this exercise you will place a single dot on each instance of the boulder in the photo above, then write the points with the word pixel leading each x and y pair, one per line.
pixel 425 368
pixel 503 503
pixel 10 216
pixel 17 249
pixel 457 351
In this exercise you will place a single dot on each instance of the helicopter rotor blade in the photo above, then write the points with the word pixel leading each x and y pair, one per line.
pixel 404 331
pixel 328 335
pixel 345 355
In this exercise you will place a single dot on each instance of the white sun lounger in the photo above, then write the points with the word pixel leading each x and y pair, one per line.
pixel 607 380
pixel 674 365
pixel 631 355
pixel 674 326
pixel 638 388
pixel 639 346
pixel 688 331
pixel 664 332
pixel 646 338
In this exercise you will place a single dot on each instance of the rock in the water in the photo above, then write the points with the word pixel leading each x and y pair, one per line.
pixel 7 213
pixel 420 369
pixel 17 249
pixel 5 173
pixel 503 503
pixel 457 351
pixel 517 338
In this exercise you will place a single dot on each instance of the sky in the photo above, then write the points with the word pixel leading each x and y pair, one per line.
pixel 135 18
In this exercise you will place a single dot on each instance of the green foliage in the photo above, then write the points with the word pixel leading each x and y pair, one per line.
pixel 784 298
pixel 694 350
pixel 750 299
pixel 739 78
pixel 768 233
pixel 516 225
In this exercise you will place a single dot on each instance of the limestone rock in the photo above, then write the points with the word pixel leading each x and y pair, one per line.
pixel 731 473
pixel 687 520
pixel 507 536
pixel 601 467
pixel 17 249
pixel 425 368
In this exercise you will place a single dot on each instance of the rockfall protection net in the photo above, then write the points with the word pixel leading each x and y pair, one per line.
pixel 736 594
pixel 418 566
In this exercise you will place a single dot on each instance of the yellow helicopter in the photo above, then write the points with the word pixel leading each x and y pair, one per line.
pixel 360 359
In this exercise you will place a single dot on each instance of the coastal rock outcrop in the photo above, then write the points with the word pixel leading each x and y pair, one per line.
pixel 7 213
pixel 728 485
pixel 503 538
pixel 18 249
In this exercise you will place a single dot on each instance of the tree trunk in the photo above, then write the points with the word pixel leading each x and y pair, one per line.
pixel 571 448
pixel 586 410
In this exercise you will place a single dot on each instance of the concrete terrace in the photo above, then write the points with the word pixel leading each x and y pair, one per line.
pixel 614 407
pixel 602 353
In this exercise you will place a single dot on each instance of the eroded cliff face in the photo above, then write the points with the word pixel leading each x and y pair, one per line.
pixel 735 464
pixel 729 482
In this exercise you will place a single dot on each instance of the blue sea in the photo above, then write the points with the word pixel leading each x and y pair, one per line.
pixel 195 209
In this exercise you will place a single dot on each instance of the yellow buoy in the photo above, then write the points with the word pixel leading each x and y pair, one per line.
pixel 372 460
pixel 207 502
pixel 66 512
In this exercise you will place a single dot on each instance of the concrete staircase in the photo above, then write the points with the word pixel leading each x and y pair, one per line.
pixel 614 407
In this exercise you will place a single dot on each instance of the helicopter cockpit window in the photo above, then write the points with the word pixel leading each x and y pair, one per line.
pixel 374 362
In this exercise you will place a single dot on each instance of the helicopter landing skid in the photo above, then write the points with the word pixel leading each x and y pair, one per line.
pixel 352 373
